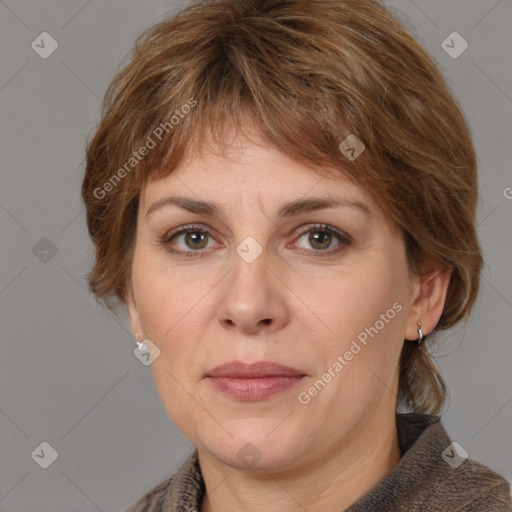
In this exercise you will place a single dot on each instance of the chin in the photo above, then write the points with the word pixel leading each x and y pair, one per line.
pixel 257 444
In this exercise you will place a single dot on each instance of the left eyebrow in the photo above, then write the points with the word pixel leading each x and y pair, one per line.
pixel 287 210
pixel 319 203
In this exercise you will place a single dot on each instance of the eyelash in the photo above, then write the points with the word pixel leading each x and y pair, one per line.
pixel 342 237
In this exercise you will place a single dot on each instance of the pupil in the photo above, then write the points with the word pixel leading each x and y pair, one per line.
pixel 314 237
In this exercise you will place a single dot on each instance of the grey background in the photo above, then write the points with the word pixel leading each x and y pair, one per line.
pixel 68 375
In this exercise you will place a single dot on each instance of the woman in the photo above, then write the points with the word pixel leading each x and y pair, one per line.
pixel 283 194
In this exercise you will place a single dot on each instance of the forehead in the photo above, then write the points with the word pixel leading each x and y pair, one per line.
pixel 249 175
pixel 252 170
pixel 242 173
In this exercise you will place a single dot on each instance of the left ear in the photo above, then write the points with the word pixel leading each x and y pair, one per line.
pixel 429 298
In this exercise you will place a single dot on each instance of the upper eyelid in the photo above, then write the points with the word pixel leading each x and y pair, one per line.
pixel 186 228
pixel 324 227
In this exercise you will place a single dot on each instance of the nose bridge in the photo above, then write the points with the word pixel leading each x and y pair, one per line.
pixel 250 297
pixel 250 263
pixel 251 230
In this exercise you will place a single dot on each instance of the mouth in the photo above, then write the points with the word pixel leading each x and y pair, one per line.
pixel 256 381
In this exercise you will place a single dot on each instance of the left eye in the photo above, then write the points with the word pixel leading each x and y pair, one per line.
pixel 321 238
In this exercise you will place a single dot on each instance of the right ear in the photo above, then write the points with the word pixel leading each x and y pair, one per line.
pixel 134 314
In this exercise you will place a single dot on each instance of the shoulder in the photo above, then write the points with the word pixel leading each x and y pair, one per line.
pixel 436 474
pixel 472 487
pixel 185 488
pixel 153 500
pixel 453 479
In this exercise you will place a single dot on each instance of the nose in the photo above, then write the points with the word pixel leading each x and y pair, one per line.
pixel 253 297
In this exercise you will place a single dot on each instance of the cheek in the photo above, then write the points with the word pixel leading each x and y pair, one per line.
pixel 366 311
pixel 163 295
pixel 355 302
pixel 159 304
pixel 171 311
pixel 165 306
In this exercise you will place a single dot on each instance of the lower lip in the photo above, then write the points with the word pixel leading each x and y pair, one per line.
pixel 253 388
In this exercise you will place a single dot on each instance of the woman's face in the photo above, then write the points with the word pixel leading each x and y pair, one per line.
pixel 262 281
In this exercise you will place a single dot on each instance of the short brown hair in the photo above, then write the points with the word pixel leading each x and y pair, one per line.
pixel 309 73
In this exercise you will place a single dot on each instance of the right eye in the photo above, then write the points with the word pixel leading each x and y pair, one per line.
pixel 194 237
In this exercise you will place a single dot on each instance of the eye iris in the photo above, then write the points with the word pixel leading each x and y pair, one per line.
pixel 321 236
pixel 196 237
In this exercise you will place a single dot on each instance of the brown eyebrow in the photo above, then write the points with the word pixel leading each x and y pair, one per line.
pixel 287 210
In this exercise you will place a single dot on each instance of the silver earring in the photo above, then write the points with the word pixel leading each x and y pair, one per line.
pixel 139 343
pixel 420 335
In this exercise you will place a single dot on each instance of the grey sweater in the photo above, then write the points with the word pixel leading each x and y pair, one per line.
pixel 430 477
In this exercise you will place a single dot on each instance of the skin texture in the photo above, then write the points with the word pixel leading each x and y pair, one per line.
pixel 290 305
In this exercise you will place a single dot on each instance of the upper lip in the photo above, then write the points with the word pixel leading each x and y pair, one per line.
pixel 237 369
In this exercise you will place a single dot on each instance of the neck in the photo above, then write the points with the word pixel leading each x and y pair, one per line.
pixel 338 478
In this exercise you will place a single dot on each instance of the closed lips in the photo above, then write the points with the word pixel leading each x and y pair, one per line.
pixel 261 369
